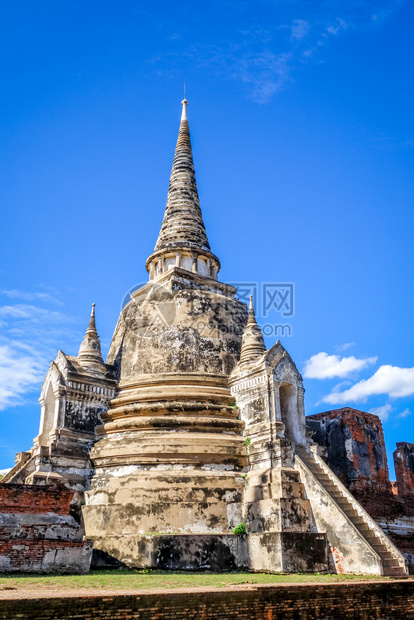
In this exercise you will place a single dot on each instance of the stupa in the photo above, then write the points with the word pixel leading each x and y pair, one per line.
pixel 189 445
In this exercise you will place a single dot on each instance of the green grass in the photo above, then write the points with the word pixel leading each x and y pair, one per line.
pixel 142 580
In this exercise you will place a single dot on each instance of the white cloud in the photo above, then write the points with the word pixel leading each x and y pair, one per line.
pixel 394 381
pixel 345 346
pixel 382 412
pixel 3 472
pixel 30 338
pixel 339 25
pixel 20 371
pixel 266 50
pixel 265 71
pixel 30 296
pixel 324 366
pixel 32 313
pixel 300 29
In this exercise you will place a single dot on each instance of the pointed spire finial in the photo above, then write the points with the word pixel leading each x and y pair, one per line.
pixel 252 342
pixel 182 230
pixel 251 317
pixel 183 224
pixel 92 324
pixel 89 355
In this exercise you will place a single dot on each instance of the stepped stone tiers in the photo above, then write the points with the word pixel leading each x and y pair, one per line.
pixel 170 450
pixel 200 429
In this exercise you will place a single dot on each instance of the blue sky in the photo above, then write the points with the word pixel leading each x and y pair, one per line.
pixel 303 140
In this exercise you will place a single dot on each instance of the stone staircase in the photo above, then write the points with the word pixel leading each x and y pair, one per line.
pixel 392 561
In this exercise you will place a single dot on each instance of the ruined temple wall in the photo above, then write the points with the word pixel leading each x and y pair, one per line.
pixel 354 442
pixel 404 469
pixel 37 532
pixel 24 498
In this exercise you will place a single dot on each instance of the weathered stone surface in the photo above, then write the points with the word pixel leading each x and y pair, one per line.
pixel 355 446
pixel 169 326
pixel 270 552
pixel 173 552
pixel 287 552
pixel 252 344
pixel 404 469
pixel 171 439
pixel 37 533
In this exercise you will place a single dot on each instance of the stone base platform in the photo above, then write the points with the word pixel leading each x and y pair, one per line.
pixel 270 552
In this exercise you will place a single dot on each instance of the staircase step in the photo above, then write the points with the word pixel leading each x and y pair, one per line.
pixel 367 533
pixel 385 555
pixel 357 520
pixel 370 536
pixel 365 527
pixel 342 502
pixel 390 563
pixel 394 572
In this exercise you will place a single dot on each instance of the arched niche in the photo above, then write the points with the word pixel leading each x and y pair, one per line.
pixel 288 393
pixel 288 399
pixel 48 414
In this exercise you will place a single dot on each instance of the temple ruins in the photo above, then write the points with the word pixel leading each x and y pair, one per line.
pixel 188 448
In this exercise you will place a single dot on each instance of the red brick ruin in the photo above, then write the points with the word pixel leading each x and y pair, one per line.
pixel 404 469
pixel 38 533
pixel 353 442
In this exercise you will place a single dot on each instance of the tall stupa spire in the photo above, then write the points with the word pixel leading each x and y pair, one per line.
pixel 89 355
pixel 183 234
pixel 252 343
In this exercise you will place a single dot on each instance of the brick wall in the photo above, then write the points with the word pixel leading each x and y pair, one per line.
pixel 355 446
pixel 35 499
pixel 26 553
pixel 358 600
pixel 37 532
